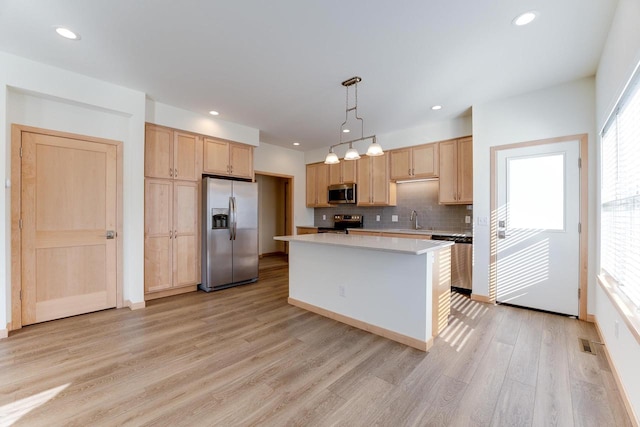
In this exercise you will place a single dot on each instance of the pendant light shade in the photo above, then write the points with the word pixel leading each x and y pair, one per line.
pixel 352 153
pixel 375 149
pixel 331 158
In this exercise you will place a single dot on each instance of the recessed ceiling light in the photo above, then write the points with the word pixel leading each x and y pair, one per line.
pixel 345 131
pixel 296 143
pixel 213 113
pixel 436 107
pixel 524 18
pixel 67 33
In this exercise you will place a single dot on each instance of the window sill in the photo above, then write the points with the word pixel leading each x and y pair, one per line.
pixel 621 302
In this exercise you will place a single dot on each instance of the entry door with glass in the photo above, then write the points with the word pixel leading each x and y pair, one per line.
pixel 538 214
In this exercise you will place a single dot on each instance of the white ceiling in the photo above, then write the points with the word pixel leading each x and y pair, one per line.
pixel 277 65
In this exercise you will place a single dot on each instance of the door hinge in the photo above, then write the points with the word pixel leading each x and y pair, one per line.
pixel 20 294
pixel 21 151
pixel 579 162
pixel 579 293
pixel 20 223
pixel 579 227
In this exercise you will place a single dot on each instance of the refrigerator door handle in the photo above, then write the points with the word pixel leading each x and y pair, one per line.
pixel 230 218
pixel 234 224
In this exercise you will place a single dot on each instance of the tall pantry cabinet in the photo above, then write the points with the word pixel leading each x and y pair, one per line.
pixel 172 198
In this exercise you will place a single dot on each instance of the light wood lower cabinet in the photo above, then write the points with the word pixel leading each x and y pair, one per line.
pixel 172 238
pixel 390 234
pixel 306 230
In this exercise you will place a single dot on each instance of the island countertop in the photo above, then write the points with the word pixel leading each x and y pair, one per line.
pixel 378 243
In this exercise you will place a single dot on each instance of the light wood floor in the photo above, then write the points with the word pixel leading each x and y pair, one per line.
pixel 242 356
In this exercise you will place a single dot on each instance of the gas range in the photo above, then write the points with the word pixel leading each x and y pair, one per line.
pixel 341 222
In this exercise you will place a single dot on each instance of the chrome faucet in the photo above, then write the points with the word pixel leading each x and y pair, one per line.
pixel 414 218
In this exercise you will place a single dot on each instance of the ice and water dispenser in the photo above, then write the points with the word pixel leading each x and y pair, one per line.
pixel 219 218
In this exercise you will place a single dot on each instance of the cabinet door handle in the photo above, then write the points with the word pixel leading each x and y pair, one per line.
pixel 170 236
pixel 409 171
pixel 175 173
pixel 175 233
pixel 170 172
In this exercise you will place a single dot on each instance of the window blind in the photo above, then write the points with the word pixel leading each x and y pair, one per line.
pixel 620 194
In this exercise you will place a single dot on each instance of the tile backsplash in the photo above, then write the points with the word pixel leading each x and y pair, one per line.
pixel 421 196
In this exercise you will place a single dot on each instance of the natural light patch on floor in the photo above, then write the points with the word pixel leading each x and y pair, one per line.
pixel 12 412
pixel 458 332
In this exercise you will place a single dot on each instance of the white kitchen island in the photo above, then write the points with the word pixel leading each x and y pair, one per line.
pixel 394 287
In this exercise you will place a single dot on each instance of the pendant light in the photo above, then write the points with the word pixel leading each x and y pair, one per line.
pixel 352 154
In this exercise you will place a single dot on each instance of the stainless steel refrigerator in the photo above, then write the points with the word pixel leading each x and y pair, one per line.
pixel 229 233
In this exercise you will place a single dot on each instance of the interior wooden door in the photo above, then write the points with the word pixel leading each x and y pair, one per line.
pixel 69 214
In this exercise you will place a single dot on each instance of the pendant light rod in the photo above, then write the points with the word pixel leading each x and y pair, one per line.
pixel 353 140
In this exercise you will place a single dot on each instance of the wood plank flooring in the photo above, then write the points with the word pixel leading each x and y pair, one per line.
pixel 243 356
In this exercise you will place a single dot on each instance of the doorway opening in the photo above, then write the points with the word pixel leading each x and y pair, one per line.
pixel 275 218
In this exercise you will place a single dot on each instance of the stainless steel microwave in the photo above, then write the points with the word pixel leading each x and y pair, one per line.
pixel 342 193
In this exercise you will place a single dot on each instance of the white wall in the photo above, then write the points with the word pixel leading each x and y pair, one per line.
pixel 561 110
pixel 620 57
pixel 177 118
pixel 283 161
pixel 44 96
pixel 431 132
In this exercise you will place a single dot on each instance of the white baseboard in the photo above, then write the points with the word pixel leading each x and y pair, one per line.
pixel 614 371
pixel 135 305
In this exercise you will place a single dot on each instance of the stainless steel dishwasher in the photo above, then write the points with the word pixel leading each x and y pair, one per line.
pixel 461 258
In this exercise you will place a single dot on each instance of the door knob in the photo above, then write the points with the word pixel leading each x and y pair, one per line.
pixel 111 234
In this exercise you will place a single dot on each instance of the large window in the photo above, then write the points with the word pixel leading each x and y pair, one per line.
pixel 620 194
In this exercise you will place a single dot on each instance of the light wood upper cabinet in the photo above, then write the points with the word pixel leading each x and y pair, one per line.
pixel 171 235
pixel 414 162
pixel 227 158
pixel 186 158
pixel 171 154
pixel 343 172
pixel 456 172
pixel 317 185
pixel 158 152
pixel 374 185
